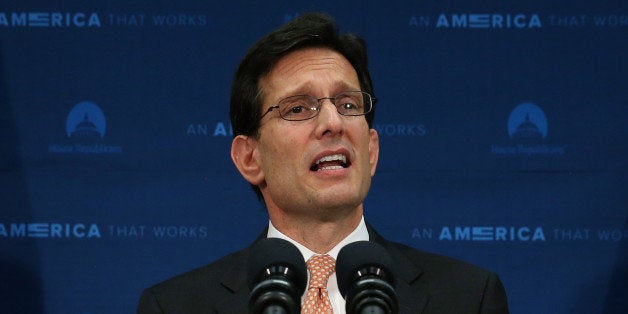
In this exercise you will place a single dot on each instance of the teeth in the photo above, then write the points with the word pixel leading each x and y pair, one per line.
pixel 330 168
pixel 339 157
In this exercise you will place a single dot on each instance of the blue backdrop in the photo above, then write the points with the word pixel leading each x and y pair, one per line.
pixel 502 127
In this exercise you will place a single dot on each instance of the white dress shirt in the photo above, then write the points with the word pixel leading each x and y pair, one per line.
pixel 359 234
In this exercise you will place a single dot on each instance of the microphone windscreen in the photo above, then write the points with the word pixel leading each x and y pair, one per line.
pixel 357 255
pixel 276 252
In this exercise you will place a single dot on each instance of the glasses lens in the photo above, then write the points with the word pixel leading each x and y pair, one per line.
pixel 353 103
pixel 297 108
pixel 303 107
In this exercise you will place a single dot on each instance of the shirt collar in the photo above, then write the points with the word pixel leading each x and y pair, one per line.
pixel 360 233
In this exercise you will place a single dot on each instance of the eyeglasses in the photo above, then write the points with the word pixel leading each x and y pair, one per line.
pixel 303 107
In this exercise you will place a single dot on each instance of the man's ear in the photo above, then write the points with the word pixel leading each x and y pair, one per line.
pixel 245 156
pixel 373 150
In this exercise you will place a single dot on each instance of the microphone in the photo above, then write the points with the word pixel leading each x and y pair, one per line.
pixel 365 279
pixel 276 277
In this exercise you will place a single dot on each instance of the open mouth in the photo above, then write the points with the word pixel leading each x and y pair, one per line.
pixel 331 162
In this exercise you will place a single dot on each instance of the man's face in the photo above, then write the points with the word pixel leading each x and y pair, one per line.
pixel 301 162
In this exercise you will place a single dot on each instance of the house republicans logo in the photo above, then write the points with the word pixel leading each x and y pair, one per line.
pixel 528 130
pixel 85 129
pixel 86 121
pixel 527 121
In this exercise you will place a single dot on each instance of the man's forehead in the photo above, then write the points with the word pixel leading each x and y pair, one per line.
pixel 305 64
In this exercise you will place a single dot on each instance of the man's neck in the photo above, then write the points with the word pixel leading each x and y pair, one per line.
pixel 318 236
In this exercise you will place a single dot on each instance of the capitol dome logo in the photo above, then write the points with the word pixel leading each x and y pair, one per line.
pixel 527 129
pixel 85 121
pixel 527 121
pixel 85 128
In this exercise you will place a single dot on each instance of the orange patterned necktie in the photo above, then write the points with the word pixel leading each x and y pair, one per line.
pixel 317 298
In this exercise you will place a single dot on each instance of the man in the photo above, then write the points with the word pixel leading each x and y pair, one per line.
pixel 302 111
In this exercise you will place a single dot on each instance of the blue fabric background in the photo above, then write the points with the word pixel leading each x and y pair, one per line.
pixel 92 213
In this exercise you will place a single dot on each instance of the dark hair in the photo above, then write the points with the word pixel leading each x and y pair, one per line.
pixel 306 31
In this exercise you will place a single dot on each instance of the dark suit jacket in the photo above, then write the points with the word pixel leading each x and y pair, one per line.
pixel 426 283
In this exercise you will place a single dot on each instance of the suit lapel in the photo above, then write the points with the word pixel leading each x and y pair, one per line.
pixel 411 294
pixel 234 280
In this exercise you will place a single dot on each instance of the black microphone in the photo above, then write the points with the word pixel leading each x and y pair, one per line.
pixel 365 279
pixel 276 276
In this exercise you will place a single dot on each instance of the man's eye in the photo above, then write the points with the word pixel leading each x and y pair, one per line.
pixel 349 106
pixel 297 109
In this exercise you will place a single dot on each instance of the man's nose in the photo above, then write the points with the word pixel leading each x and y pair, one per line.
pixel 330 121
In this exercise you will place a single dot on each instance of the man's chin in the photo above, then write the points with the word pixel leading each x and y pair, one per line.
pixel 335 201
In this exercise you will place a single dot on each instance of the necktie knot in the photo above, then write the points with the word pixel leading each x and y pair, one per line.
pixel 320 268
pixel 317 299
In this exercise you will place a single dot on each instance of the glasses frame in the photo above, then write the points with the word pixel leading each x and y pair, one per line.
pixel 371 103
